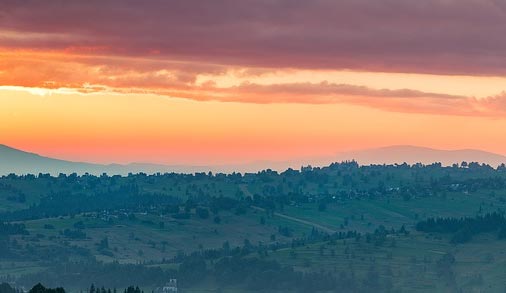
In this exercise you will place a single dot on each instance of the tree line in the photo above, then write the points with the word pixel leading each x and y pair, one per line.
pixel 463 229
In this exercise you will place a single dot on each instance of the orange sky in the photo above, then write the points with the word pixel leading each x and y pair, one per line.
pixel 150 128
pixel 222 82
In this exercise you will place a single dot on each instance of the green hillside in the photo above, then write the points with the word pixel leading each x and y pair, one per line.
pixel 341 228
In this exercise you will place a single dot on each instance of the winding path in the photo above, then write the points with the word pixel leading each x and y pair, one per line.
pixel 244 188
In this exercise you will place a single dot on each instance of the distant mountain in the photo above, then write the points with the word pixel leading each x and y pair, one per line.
pixel 20 162
pixel 413 154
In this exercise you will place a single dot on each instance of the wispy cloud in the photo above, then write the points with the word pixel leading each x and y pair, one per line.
pixel 90 74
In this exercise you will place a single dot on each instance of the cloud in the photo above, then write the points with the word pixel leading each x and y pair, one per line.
pixel 432 36
pixel 88 74
pixel 55 69
pixel 400 100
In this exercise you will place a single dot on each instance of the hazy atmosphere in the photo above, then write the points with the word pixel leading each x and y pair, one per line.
pixel 121 81
pixel 252 146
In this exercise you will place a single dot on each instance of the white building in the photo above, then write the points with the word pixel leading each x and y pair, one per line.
pixel 170 287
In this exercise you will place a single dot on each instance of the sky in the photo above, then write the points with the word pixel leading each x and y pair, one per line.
pixel 226 81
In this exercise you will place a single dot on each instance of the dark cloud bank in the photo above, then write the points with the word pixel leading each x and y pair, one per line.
pixel 431 36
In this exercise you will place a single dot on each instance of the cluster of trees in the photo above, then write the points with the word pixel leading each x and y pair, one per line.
pixel 72 203
pixel 73 234
pixel 39 288
pixel 463 229
pixel 129 289
pixel 260 274
pixel 113 275
pixel 225 266
pixel 72 194
pixel 380 234
pixel 12 229
pixel 250 273
pixel 6 230
pixel 13 194
pixel 194 268
pixel 6 288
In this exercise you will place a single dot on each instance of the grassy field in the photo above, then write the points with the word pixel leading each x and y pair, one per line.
pixel 406 263
pixel 144 240
pixel 368 214
pixel 409 262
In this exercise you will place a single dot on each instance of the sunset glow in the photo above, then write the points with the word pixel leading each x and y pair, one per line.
pixel 175 89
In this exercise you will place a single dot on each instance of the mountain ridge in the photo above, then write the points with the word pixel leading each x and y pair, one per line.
pixel 425 155
pixel 17 161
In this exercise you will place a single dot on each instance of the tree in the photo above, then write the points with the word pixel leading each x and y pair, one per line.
pixel 6 288
pixel 217 219
pixel 502 233
pixel 39 288
pixel 103 244
pixel 133 289
pixel 203 213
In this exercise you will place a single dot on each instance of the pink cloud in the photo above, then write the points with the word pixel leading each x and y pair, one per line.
pixel 89 74
pixel 432 36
